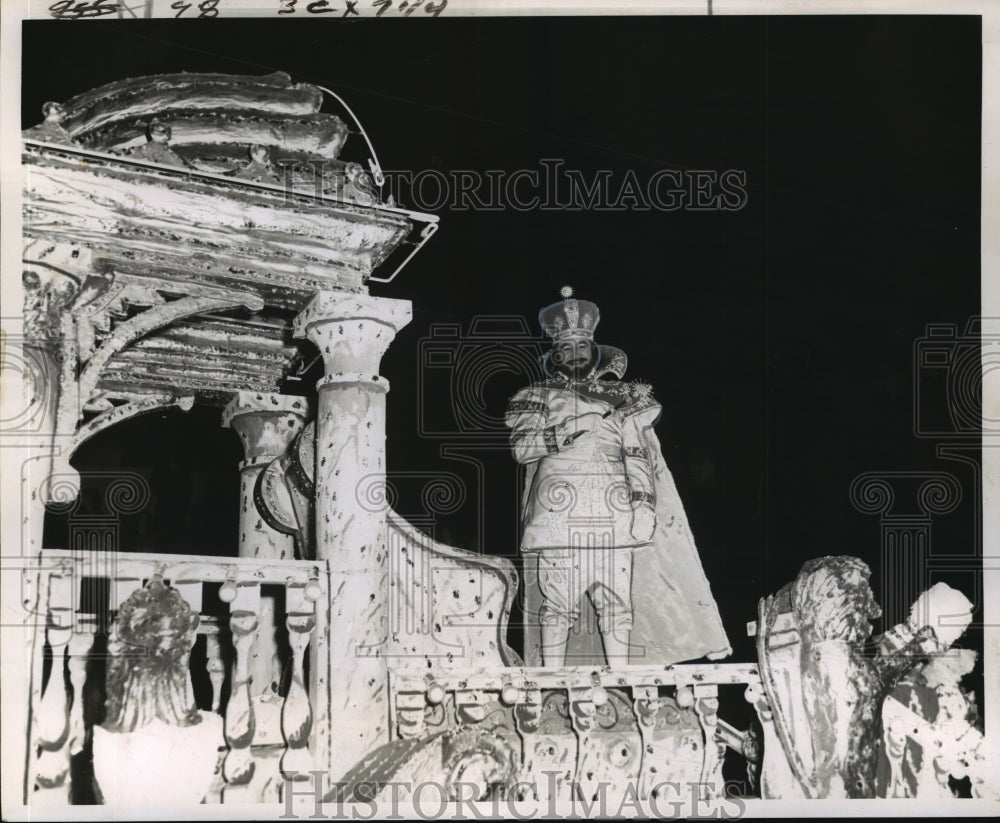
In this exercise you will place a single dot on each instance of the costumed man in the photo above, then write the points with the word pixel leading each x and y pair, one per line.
pixel 601 515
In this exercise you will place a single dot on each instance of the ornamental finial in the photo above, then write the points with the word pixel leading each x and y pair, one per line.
pixel 566 292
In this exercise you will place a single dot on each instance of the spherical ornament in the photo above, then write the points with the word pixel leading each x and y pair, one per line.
pixel 435 693
pixel 227 591
pixel 599 696
pixel 313 590
pixel 510 694
pixel 566 292
pixel 685 698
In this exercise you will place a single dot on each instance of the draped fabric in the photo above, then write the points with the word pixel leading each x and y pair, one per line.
pixel 676 616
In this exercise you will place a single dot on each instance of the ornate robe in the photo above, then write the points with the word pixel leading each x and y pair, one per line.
pixel 581 493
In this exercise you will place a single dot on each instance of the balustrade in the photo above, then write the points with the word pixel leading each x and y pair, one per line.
pixel 65 637
pixel 581 731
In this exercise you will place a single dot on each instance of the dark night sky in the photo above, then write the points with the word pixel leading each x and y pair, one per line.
pixel 779 338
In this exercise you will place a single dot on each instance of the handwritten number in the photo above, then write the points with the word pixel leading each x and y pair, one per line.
pixel 181 6
pixel 208 8
pixel 436 8
pixel 75 10
pixel 59 9
pixel 287 7
pixel 319 7
pixel 385 6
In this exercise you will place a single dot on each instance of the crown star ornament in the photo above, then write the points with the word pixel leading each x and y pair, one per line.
pixel 570 318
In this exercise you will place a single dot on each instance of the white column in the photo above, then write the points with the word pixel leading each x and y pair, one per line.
pixel 266 424
pixel 349 675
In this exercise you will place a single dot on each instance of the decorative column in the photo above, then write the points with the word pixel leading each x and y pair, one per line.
pixel 266 424
pixel 349 672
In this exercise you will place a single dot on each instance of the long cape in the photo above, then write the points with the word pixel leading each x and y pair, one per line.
pixel 675 615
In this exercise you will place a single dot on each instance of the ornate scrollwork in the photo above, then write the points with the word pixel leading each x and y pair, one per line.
pixel 481 759
pixel 85 314
pixel 47 294
pixel 616 713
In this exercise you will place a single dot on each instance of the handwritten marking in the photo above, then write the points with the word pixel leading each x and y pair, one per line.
pixel 75 9
pixel 207 9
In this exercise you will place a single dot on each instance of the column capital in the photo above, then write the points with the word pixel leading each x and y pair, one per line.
pixel 335 306
pixel 265 422
pixel 352 331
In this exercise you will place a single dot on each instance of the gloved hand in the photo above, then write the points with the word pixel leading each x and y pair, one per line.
pixel 643 523
pixel 591 421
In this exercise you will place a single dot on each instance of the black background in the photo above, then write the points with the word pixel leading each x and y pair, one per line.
pixel 779 338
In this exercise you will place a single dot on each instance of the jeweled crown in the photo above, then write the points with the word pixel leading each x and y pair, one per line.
pixel 570 317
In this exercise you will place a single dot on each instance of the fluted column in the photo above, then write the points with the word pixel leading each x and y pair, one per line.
pixel 266 424
pixel 352 332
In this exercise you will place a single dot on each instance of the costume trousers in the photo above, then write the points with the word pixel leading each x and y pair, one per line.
pixel 566 575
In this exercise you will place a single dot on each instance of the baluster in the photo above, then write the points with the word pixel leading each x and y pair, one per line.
pixel 36 592
pixel 296 713
pixel 216 668
pixel 78 650
pixel 646 705
pixel 238 767
pixel 191 592
pixel 706 706
pixel 527 715
pixel 581 715
pixel 470 706
pixel 53 721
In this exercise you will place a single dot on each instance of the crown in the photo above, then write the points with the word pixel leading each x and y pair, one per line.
pixel 570 317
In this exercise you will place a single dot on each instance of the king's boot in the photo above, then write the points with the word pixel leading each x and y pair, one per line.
pixel 616 646
pixel 555 636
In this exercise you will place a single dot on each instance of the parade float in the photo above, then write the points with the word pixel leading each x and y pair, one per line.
pixel 183 235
